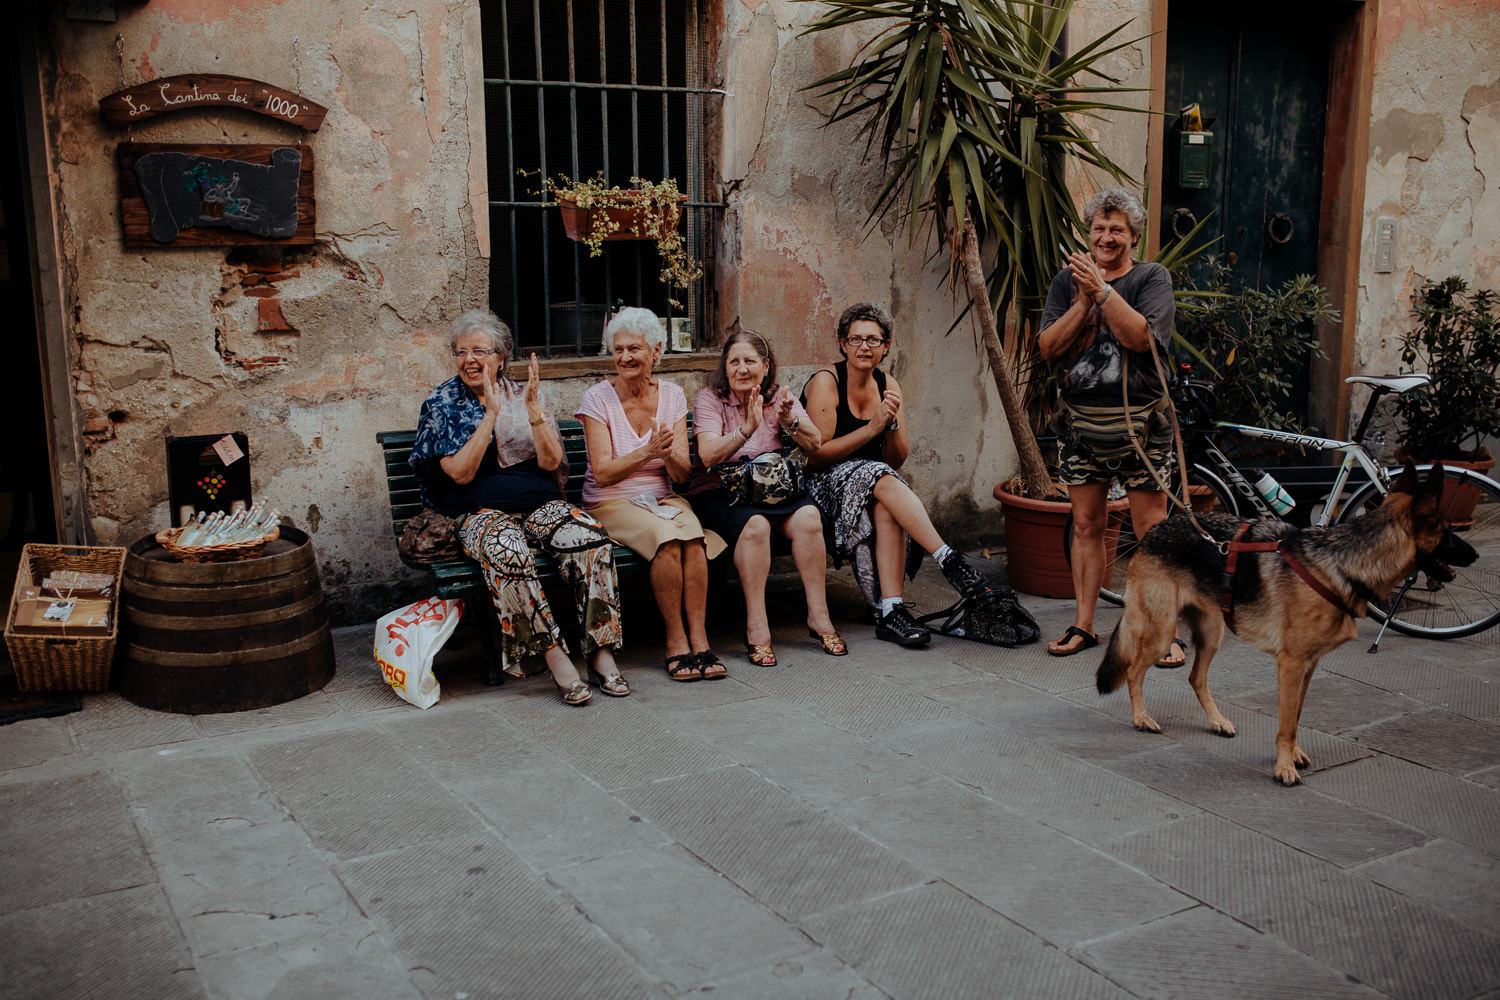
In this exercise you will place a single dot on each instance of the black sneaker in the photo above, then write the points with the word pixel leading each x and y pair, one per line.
pixel 901 628
pixel 964 577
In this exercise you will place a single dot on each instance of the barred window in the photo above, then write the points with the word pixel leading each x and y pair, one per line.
pixel 580 87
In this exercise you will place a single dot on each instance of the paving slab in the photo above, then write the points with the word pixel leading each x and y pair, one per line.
pixel 545 809
pixel 682 921
pixel 1458 879
pixel 1435 738
pixel 357 792
pixel 1443 681
pixel 818 762
pixel 503 931
pixel 349 962
pixel 1335 703
pixel 1398 945
pixel 238 872
pixel 32 742
pixel 1201 953
pixel 114 944
pixel 945 959
pixel 844 695
pixel 318 705
pixel 815 975
pixel 66 839
pixel 1450 807
pixel 615 741
pixel 1055 887
pixel 1301 817
pixel 1074 796
pixel 791 856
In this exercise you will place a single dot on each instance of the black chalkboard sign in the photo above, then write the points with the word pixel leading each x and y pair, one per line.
pixel 215 195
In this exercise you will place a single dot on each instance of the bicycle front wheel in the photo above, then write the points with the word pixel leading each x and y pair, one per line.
pixel 1208 493
pixel 1468 603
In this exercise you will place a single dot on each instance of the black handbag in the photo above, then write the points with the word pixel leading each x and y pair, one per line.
pixel 429 537
pixel 770 479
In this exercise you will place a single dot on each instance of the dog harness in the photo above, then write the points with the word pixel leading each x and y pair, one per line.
pixel 1226 582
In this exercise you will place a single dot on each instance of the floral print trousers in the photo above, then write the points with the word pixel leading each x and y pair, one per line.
pixel 581 546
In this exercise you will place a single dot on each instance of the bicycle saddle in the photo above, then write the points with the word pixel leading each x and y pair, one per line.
pixel 1392 383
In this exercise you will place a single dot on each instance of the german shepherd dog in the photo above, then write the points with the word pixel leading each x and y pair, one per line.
pixel 1177 573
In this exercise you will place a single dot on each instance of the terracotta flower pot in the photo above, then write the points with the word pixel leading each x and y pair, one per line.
pixel 631 219
pixel 1458 501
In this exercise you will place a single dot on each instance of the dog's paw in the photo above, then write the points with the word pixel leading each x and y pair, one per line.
pixel 1287 775
pixel 1146 724
pixel 1222 727
pixel 1299 758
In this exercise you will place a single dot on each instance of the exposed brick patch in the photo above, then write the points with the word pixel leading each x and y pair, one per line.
pixel 270 315
pixel 261 292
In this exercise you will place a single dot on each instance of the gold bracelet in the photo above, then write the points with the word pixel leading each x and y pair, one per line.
pixel 538 422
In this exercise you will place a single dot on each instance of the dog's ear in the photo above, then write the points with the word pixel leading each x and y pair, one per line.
pixel 1434 485
pixel 1408 482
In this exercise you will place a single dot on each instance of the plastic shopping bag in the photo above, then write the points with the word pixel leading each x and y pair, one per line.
pixel 406 642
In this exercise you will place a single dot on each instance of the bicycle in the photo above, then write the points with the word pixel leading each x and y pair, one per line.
pixel 1465 605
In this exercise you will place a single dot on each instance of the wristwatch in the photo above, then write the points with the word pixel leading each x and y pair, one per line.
pixel 796 422
pixel 894 425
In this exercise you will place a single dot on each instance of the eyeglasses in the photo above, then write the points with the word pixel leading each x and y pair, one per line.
pixel 865 341
pixel 478 354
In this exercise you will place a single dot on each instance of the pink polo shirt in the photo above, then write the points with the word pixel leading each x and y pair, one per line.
pixel 602 403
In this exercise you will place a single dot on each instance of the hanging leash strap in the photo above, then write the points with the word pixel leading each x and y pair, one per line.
pixel 1185 502
pixel 1231 564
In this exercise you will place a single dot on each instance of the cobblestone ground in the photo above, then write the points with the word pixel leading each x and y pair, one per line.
pixel 961 821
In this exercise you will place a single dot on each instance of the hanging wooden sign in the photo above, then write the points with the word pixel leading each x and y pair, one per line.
pixel 203 90
pixel 203 195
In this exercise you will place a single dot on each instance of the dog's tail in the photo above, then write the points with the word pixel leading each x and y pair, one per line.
pixel 1111 673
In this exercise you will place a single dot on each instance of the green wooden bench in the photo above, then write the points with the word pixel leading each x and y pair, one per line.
pixel 461 577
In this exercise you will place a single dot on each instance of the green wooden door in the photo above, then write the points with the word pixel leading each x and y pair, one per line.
pixel 1260 71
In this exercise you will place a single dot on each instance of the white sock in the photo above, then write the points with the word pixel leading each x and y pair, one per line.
pixel 942 554
pixel 888 604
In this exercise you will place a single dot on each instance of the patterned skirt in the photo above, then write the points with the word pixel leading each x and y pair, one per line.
pixel 581 546
pixel 845 493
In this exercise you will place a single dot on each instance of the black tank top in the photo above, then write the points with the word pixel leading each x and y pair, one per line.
pixel 846 421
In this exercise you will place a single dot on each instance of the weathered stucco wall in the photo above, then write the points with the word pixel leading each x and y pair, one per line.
pixel 308 350
pixel 1434 161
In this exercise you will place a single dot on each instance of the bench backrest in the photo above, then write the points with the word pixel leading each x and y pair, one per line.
pixel 406 493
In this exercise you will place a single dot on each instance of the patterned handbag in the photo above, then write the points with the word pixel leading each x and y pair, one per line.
pixel 770 479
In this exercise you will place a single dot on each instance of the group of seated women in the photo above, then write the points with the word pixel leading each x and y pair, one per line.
pixel 489 454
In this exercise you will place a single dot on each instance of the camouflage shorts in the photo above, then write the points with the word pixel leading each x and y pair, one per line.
pixel 1077 465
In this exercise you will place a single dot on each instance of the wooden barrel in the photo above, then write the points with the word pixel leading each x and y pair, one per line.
pixel 227 636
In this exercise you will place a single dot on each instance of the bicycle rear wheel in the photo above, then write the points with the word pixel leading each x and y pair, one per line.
pixel 1468 603
pixel 1208 492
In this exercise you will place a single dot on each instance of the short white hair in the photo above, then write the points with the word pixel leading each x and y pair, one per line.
pixel 641 322
pixel 485 322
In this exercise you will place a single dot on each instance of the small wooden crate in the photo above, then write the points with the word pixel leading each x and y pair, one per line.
pixel 57 658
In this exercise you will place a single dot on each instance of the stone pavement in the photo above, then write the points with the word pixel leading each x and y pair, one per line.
pixel 963 821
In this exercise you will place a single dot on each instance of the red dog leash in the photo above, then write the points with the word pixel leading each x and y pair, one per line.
pixel 1233 550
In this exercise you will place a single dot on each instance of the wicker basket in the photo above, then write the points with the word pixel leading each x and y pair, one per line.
pixel 228 552
pixel 53 659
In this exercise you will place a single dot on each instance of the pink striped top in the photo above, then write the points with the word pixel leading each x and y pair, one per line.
pixel 603 404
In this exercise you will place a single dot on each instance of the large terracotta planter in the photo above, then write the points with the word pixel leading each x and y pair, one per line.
pixel 631 219
pixel 1036 562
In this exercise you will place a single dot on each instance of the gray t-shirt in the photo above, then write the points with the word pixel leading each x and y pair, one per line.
pixel 1092 368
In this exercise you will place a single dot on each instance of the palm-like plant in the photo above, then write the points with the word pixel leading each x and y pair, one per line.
pixel 975 113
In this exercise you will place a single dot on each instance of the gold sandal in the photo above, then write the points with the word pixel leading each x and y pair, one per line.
pixel 577 693
pixel 833 643
pixel 762 655
pixel 614 685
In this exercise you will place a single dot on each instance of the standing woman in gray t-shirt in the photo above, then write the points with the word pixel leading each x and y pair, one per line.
pixel 1102 306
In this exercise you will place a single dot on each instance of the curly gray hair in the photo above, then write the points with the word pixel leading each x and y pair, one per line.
pixel 485 322
pixel 1117 199
pixel 641 322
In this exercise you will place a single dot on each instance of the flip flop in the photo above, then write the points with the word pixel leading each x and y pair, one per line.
pixel 1167 664
pixel 1089 642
